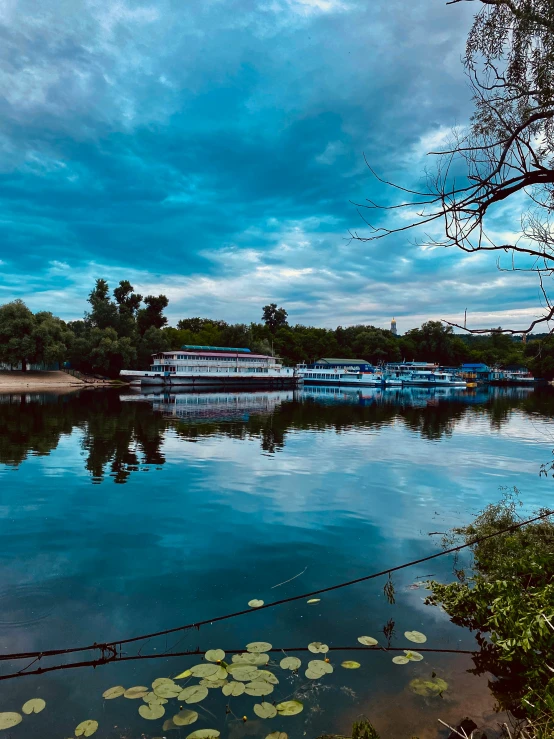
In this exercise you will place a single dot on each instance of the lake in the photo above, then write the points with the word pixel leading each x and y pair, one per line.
pixel 124 514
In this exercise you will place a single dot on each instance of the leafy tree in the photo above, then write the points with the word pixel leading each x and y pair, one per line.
pixel 274 317
pixel 152 315
pixel 53 338
pixel 17 334
pixel 109 353
pixel 153 341
pixel 104 312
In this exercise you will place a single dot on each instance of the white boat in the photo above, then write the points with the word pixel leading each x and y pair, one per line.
pixel 340 376
pixel 426 378
pixel 213 366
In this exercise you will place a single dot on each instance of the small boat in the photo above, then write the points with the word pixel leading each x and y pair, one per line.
pixel 339 376
pixel 426 378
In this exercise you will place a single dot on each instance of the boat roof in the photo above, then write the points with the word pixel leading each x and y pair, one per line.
pixel 197 347
pixel 236 354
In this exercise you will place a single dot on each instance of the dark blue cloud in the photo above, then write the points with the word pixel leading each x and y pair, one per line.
pixel 212 150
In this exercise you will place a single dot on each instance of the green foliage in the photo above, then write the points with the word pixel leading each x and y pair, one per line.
pixel 363 730
pixel 509 601
pixel 274 317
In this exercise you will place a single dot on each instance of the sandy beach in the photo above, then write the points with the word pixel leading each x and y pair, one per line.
pixel 15 381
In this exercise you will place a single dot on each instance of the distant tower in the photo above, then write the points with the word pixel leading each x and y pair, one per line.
pixel 393 327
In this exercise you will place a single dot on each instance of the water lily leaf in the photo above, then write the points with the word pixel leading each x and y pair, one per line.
pixel 369 641
pixel 162 680
pixel 255 603
pixel 167 690
pixel 193 694
pixel 182 675
pixel 350 664
pixel 313 675
pixel 277 735
pixel 400 660
pixel 265 710
pixel 316 647
pixel 290 663
pixel 204 670
pixel 258 687
pixel 251 658
pixel 428 688
pixel 168 725
pixel 209 683
pixel 112 693
pixel 35 705
pixel 151 711
pixel 185 717
pixel 415 636
pixel 204 734
pixel 313 600
pixel 266 675
pixel 139 691
pixel 289 708
pixel 244 673
pixel 233 689
pixel 413 656
pixel 85 728
pixel 258 646
pixel 153 698
pixel 219 674
pixel 9 719
pixel 319 665
pixel 215 655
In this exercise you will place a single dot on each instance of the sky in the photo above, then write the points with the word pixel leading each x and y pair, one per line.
pixel 213 151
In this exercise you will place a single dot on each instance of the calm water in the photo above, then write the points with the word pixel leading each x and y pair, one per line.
pixel 124 514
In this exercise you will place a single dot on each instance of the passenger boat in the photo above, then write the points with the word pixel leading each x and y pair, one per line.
pixel 213 366
pixel 434 377
pixel 341 376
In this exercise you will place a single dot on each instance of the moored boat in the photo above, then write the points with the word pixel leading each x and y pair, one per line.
pixel 213 366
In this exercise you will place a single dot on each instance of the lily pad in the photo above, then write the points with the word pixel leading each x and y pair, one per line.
pixel 400 660
pixel 162 680
pixel 204 734
pixel 85 728
pixel 416 636
pixel 258 687
pixel 204 670
pixel 219 674
pixel 112 693
pixel 265 710
pixel 290 663
pixel 428 688
pixel 350 664
pixel 413 656
pixel 368 641
pixel 289 708
pixel 168 725
pixel 277 735
pixel 244 673
pixel 209 683
pixel 313 675
pixel 8 719
pixel 35 705
pixel 193 694
pixel 151 711
pixel 316 647
pixel 139 691
pixel 258 646
pixel 183 675
pixel 320 665
pixel 233 689
pixel 268 676
pixel 215 655
pixel 313 600
pixel 185 717
pixel 255 603
pixel 168 690
pixel 153 698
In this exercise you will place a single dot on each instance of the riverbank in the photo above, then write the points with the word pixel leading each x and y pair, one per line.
pixel 32 380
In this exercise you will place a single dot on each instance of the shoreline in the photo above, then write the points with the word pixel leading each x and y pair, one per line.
pixel 33 380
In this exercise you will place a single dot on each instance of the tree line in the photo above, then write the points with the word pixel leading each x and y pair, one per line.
pixel 122 329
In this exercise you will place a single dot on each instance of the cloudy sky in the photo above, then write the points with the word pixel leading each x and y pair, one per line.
pixel 211 150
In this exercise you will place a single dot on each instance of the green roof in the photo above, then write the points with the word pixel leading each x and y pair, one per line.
pixel 334 360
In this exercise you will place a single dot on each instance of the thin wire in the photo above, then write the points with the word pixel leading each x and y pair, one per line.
pixel 113 645
pixel 119 658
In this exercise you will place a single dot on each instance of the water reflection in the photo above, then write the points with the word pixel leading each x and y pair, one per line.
pixel 123 432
